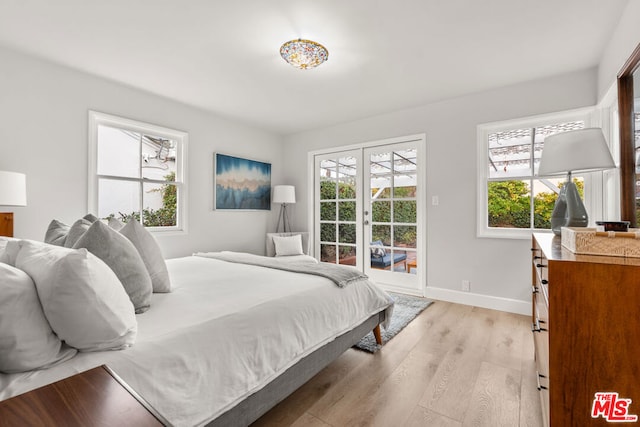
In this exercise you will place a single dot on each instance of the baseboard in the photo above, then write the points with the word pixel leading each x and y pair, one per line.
pixel 477 300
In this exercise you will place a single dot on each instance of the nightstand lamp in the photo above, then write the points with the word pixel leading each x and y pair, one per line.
pixel 284 194
pixel 13 192
pixel 583 150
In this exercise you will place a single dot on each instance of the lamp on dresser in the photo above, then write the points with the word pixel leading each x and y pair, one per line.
pixel 582 150
pixel 13 192
pixel 284 194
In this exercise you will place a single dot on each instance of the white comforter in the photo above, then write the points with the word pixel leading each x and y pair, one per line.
pixel 224 332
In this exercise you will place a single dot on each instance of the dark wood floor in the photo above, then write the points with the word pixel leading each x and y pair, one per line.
pixel 454 365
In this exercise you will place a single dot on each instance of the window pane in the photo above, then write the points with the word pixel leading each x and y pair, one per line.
pixel 405 161
pixel 347 233
pixel 347 178
pixel 510 153
pixel 327 211
pixel 545 194
pixel 328 232
pixel 159 205
pixel 347 255
pixel 158 158
pixel 405 236
pixel 404 186
pixel 382 233
pixel 543 132
pixel 347 211
pixel 327 189
pixel 328 253
pixel 405 211
pixel 509 204
pixel 381 211
pixel 118 152
pixel 380 172
pixel 120 199
pixel 380 187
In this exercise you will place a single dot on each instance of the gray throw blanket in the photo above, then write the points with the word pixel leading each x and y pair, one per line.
pixel 341 275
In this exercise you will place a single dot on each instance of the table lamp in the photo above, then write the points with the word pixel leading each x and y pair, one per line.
pixel 13 192
pixel 284 194
pixel 583 150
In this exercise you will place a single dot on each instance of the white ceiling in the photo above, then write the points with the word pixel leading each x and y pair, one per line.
pixel 223 56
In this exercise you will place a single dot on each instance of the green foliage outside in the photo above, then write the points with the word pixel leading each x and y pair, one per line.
pixel 508 205
pixel 404 211
pixel 164 216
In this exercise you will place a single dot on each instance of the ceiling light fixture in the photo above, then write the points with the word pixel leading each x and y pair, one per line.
pixel 304 54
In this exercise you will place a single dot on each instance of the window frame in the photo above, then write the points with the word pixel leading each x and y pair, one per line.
pixel 96 119
pixel 592 192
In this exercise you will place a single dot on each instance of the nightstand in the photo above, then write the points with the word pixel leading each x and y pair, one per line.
pixel 94 397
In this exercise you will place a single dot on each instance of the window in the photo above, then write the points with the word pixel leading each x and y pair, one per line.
pixel 512 199
pixel 137 172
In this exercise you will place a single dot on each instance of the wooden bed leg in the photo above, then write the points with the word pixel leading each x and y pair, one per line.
pixel 377 334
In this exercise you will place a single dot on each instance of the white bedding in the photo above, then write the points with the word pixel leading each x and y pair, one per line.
pixel 224 332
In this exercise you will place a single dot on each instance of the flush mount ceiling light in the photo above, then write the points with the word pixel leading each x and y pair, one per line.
pixel 304 54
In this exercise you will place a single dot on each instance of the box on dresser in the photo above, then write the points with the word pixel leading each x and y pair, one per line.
pixel 586 328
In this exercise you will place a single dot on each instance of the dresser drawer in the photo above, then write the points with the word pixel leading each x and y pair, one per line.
pixel 540 329
pixel 541 343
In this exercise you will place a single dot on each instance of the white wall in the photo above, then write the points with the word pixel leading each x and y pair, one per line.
pixel 43 133
pixel 622 43
pixel 499 269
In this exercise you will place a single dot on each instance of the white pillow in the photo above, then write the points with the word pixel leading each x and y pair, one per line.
pixel 288 245
pixel 82 298
pixel 296 259
pixel 26 339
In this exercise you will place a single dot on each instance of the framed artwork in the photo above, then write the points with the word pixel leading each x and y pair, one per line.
pixel 241 184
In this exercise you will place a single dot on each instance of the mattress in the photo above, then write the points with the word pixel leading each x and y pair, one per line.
pixel 224 332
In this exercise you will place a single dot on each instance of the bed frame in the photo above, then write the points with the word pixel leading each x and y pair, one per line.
pixel 256 405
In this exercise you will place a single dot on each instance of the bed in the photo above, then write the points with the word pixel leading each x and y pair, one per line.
pixel 229 341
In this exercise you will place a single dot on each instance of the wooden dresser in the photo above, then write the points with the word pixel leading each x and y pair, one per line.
pixel 586 330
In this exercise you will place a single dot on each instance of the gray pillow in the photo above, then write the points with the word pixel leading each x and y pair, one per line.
pixel 56 233
pixel 116 224
pixel 123 258
pixel 76 231
pixel 151 254
pixel 91 218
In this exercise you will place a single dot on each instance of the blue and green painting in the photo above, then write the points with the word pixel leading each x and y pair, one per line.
pixel 242 183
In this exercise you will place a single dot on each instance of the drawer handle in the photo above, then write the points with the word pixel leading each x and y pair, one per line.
pixel 540 265
pixel 537 257
pixel 541 387
pixel 544 281
pixel 534 289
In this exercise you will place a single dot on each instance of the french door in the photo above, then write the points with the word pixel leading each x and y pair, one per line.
pixel 369 211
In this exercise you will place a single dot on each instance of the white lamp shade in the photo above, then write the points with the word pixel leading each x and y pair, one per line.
pixel 284 194
pixel 13 189
pixel 583 150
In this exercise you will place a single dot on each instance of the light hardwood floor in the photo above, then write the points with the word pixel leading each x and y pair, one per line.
pixel 454 365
